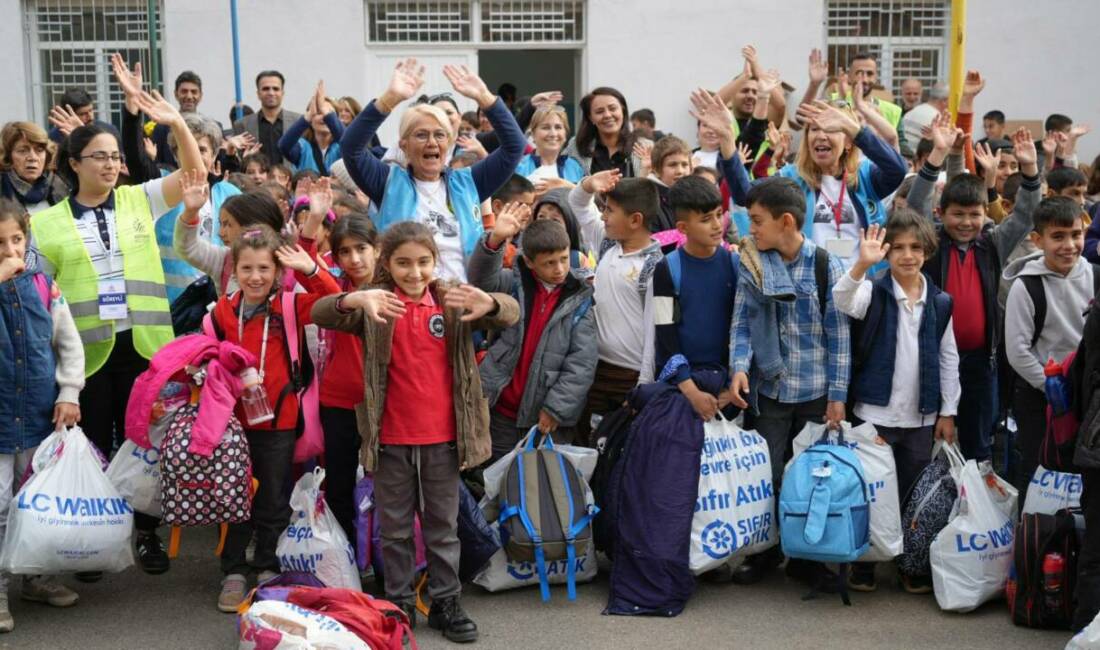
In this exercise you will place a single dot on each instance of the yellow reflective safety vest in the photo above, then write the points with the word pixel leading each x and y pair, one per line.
pixel 57 238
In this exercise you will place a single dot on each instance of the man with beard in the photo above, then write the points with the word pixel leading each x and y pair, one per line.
pixel 188 95
pixel 267 124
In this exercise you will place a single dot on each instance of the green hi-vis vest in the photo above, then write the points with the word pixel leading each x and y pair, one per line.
pixel 56 237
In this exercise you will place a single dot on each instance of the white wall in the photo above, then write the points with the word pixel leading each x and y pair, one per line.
pixel 15 100
pixel 627 48
pixel 1037 62
pixel 306 41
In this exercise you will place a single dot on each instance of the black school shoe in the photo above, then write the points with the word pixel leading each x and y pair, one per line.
pixel 151 554
pixel 861 577
pixel 88 576
pixel 815 574
pixel 756 566
pixel 448 616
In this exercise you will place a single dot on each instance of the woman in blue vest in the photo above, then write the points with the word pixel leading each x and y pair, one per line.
pixel 446 200
pixel 550 131
pixel 119 263
pixel 313 141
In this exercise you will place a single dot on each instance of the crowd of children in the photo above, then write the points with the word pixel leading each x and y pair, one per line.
pixel 474 281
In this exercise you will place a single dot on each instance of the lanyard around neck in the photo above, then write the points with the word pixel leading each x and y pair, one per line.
pixel 263 343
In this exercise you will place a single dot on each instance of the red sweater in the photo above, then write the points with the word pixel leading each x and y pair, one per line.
pixel 964 284
pixel 277 362
pixel 543 307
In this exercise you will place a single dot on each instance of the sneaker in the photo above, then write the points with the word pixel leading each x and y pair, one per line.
pixel 46 589
pixel 234 586
pixel 7 623
pixel 917 584
pixel 861 577
pixel 815 574
pixel 151 554
pixel 88 576
pixel 265 575
pixel 447 615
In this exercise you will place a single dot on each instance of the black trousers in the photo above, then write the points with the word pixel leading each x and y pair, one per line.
pixel 1030 410
pixel 342 443
pixel 103 405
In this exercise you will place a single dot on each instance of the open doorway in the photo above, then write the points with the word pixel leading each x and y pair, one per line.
pixel 534 71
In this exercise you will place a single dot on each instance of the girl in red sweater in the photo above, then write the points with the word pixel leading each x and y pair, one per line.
pixel 253 318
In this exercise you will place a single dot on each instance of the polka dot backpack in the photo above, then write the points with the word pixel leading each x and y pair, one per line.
pixel 200 490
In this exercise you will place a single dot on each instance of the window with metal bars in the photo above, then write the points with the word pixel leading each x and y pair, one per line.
pixel 71 44
pixel 908 37
pixel 476 21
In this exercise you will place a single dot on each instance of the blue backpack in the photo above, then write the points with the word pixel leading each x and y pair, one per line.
pixel 824 509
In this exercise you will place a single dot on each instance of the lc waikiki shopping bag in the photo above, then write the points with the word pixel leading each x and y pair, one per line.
pixel 734 510
pixel 972 555
pixel 880 471
pixel 1050 491
pixel 314 542
pixel 67 517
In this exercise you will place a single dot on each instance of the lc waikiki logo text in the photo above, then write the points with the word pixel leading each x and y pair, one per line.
pixel 990 540
pixel 74 506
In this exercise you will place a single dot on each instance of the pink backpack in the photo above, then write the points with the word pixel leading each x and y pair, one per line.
pixel 311 442
pixel 200 490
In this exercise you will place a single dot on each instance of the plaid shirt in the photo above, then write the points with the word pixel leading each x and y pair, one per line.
pixel 817 355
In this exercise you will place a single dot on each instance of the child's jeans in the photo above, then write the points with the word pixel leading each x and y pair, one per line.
pixel 912 452
pixel 272 452
pixel 407 480
pixel 12 468
pixel 978 406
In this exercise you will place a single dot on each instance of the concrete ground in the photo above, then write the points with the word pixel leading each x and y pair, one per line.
pixel 176 611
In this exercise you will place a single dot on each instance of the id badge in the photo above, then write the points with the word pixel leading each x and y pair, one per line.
pixel 842 248
pixel 112 299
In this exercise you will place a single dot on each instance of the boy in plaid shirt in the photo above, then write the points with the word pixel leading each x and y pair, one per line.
pixel 791 354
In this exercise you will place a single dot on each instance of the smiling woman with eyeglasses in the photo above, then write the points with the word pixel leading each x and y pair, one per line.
pixel 446 200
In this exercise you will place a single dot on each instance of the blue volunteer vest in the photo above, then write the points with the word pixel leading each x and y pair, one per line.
pixel 568 168
pixel 178 273
pixel 400 198
pixel 306 160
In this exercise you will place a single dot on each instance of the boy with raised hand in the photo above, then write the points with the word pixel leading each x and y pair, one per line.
pixel 967 265
pixel 905 369
pixel 690 305
pixel 538 372
pixel 627 255
pixel 1060 275
pixel 791 351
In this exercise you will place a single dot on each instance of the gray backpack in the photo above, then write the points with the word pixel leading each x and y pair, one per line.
pixel 544 511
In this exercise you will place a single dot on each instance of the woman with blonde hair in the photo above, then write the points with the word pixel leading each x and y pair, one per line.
pixel 550 131
pixel 26 167
pixel 347 108
pixel 426 190
pixel 313 141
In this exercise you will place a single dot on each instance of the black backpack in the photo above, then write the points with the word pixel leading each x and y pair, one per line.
pixel 189 307
pixel 614 429
pixel 1036 536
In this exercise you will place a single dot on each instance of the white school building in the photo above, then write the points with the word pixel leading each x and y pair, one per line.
pixel 1034 55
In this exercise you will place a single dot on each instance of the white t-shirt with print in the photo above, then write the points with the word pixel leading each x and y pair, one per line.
pixel 825 226
pixel 432 211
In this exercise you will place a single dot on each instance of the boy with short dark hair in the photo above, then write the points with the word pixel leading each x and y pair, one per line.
pixel 1069 182
pixel 1055 286
pixel 689 309
pixel 538 372
pixel 905 369
pixel 626 257
pixel 967 266
pixel 516 189
pixel 791 352
pixel 993 123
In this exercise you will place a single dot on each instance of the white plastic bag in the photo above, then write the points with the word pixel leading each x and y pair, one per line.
pixel 881 474
pixel 314 542
pixel 583 458
pixel 275 625
pixel 972 555
pixel 502 574
pixel 1088 638
pixel 67 517
pixel 135 473
pixel 1051 491
pixel 734 514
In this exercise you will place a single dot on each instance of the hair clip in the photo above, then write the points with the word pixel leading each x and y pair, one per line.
pixel 249 234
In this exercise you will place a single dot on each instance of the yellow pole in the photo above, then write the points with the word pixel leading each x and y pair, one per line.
pixel 958 53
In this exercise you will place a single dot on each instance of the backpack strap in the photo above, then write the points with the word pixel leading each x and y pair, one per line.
pixel 42 284
pixel 1095 279
pixel 648 267
pixel 944 307
pixel 1038 294
pixel 821 277
pixel 581 310
pixel 674 270
pixel 227 272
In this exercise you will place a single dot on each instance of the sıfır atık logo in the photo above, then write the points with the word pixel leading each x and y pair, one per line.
pixel 719 539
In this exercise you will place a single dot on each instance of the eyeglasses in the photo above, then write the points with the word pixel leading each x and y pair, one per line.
pixel 441 96
pixel 423 136
pixel 103 156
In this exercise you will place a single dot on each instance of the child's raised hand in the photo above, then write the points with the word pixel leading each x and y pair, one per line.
pixel 973 84
pixel 473 145
pixel 872 248
pixel 508 223
pixel 320 196
pixel 65 414
pixel 744 153
pixel 643 151
pixel 297 259
pixel 1024 147
pixel 602 182
pixel 378 304
pixel 712 112
pixel 819 67
pixel 194 188
pixel 988 160
pixel 474 302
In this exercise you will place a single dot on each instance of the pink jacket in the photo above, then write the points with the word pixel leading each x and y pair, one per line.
pixel 224 362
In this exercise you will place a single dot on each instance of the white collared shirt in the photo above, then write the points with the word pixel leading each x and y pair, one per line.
pixel 853 298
